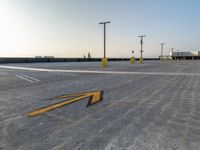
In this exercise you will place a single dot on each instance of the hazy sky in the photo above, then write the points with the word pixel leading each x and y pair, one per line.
pixel 69 28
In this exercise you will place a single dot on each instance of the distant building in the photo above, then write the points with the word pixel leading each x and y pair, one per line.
pixel 48 56
pixel 38 56
pixel 185 55
pixel 195 53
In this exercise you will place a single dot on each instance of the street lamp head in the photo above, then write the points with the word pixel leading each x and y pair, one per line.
pixel 105 22
pixel 142 36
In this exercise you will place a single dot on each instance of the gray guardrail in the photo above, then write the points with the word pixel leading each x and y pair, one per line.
pixel 38 60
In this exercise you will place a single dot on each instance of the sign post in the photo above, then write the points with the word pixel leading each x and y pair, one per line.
pixel 132 59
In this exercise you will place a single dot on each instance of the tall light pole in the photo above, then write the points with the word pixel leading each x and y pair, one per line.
pixel 172 50
pixel 104 59
pixel 178 54
pixel 161 56
pixel 141 51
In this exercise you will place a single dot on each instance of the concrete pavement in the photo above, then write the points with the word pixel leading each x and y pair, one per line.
pixel 156 106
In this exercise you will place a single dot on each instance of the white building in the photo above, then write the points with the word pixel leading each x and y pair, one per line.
pixel 185 55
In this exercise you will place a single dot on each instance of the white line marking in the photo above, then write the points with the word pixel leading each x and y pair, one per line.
pixel 102 72
pixel 23 78
pixel 29 77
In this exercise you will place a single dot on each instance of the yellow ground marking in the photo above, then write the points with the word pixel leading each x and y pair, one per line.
pixel 71 95
pixel 94 97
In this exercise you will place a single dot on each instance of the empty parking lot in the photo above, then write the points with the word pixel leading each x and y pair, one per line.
pixel 144 106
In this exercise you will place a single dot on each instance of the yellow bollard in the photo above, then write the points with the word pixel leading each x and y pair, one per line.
pixel 104 62
pixel 141 60
pixel 161 59
pixel 132 60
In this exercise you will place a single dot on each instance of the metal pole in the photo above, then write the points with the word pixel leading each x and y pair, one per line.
pixel 141 51
pixel 162 44
pixel 104 40
pixel 104 24
pixel 172 53
pixel 141 46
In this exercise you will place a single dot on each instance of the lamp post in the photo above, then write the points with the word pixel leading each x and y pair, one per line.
pixel 161 56
pixel 178 55
pixel 172 53
pixel 104 61
pixel 141 51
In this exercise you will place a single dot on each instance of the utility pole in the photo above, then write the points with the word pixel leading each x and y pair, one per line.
pixel 172 53
pixel 178 54
pixel 161 56
pixel 104 59
pixel 141 51
pixel 172 50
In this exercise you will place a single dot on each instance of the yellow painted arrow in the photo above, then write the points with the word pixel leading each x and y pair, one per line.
pixel 94 97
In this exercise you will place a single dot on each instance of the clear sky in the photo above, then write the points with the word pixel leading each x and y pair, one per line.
pixel 69 28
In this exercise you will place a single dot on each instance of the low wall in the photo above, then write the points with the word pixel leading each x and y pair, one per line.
pixel 37 60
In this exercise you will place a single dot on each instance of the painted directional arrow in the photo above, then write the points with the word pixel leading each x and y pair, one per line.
pixel 94 97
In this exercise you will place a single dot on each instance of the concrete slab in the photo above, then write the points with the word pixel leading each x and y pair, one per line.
pixel 156 106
